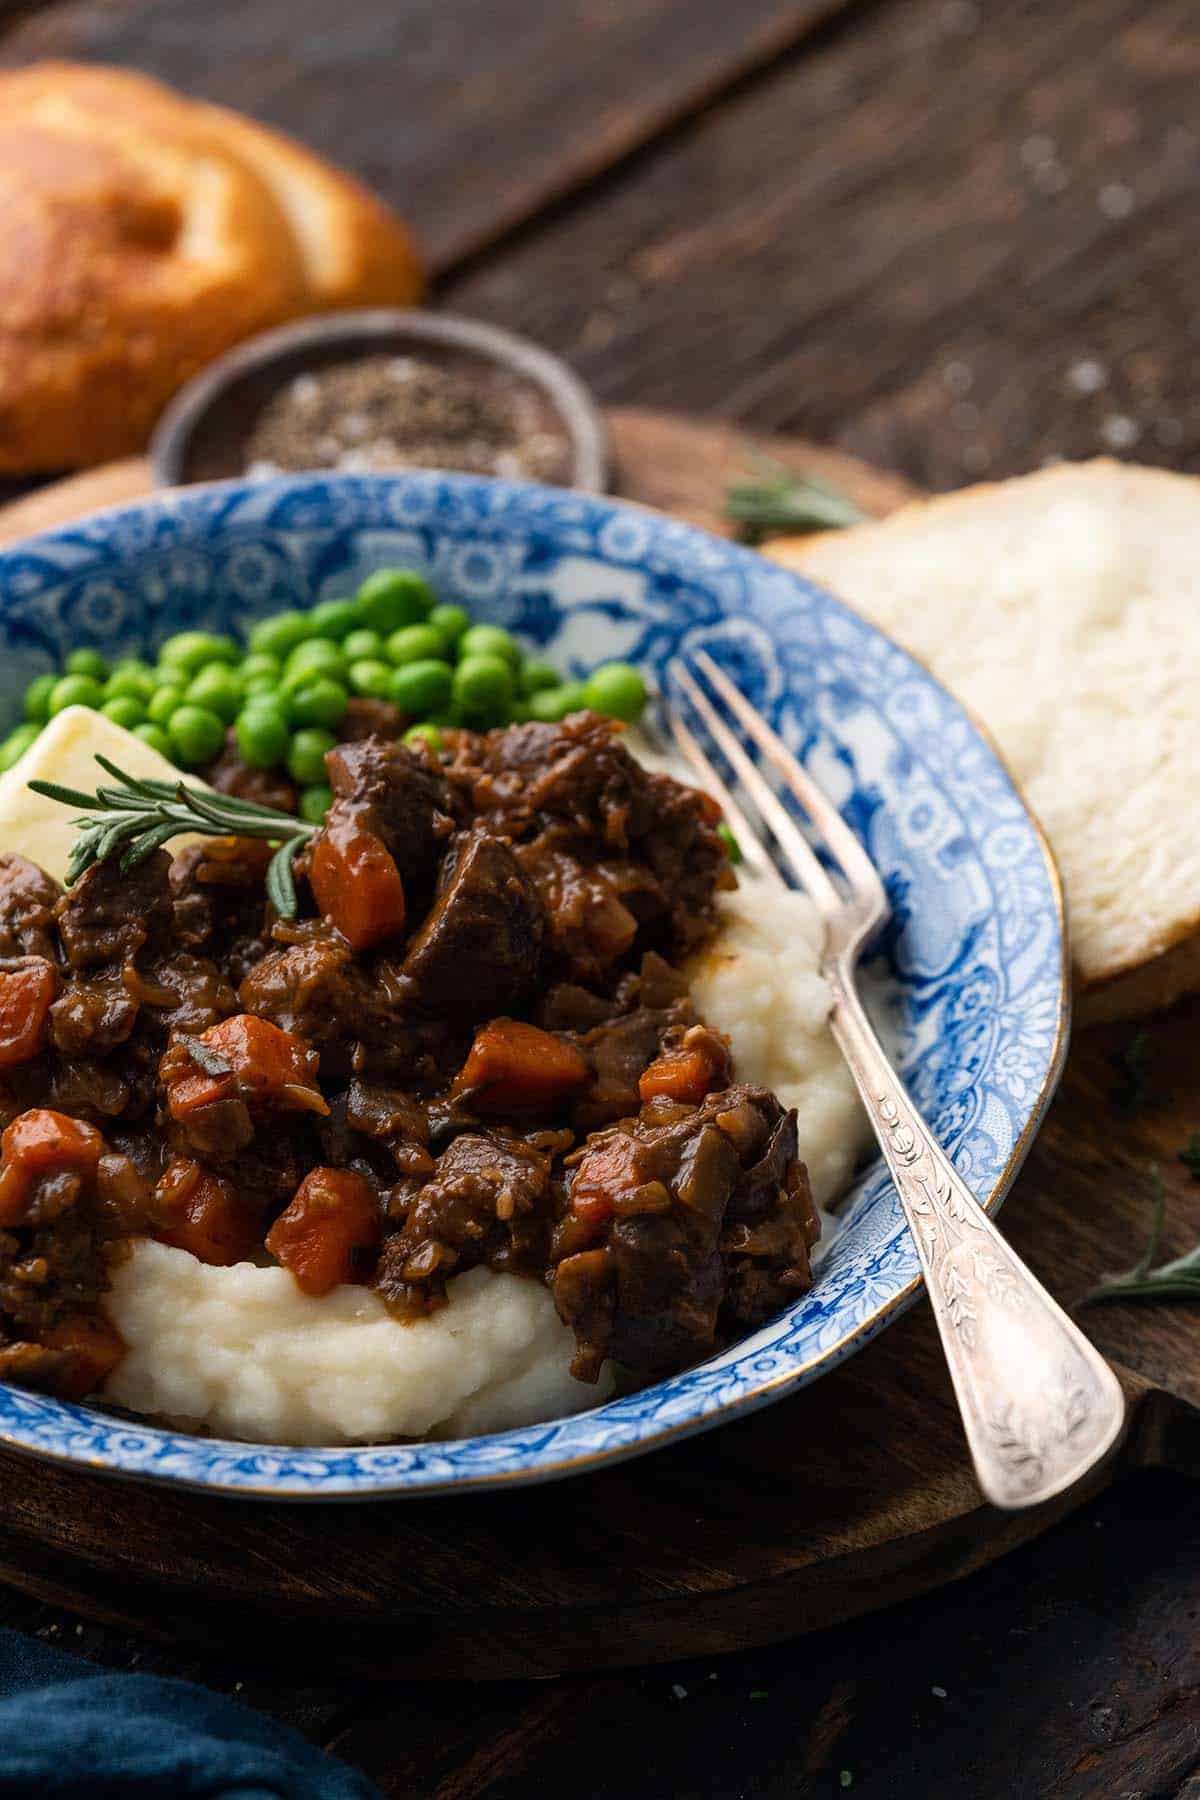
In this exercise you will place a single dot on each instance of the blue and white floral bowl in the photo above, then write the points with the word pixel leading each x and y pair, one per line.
pixel 975 958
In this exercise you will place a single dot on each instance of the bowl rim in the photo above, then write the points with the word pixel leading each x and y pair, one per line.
pixel 360 1486
pixel 591 455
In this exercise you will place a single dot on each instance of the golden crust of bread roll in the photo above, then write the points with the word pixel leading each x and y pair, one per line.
pixel 144 235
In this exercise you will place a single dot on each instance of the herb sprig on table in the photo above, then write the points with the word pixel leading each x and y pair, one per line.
pixel 1178 1279
pixel 145 815
pixel 776 501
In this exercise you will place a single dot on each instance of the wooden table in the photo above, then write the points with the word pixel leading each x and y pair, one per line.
pixel 955 237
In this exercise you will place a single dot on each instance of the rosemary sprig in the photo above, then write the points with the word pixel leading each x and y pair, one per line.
pixel 145 815
pixel 779 501
pixel 1175 1280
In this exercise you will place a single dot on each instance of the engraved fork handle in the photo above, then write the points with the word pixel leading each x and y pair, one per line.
pixel 1039 1404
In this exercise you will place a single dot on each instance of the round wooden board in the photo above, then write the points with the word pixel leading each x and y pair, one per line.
pixel 854 1493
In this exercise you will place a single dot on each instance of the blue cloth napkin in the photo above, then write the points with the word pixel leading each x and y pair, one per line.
pixel 68 1731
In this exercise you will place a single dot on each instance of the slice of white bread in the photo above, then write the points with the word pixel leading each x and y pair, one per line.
pixel 1063 609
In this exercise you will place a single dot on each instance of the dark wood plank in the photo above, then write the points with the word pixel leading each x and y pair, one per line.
pixel 472 117
pixel 917 241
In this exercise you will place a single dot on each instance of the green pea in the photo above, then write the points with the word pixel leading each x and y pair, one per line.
pixel 262 736
pixel 321 702
pixel 278 635
pixel 394 597
pixel 17 743
pixel 450 620
pixel 309 661
pixel 87 662
pixel 191 650
pixel 217 689
pixel 372 678
pixel 163 702
pixel 196 734
pixel 483 687
pixel 130 684
pixel 422 687
pixel 306 758
pixel 363 646
pixel 315 802
pixel 265 683
pixel 615 689
pixel 37 698
pixel 553 704
pixel 490 640
pixel 416 643
pixel 75 690
pixel 537 678
pixel 135 664
pixel 124 711
pixel 156 737
pixel 732 848
pixel 425 732
pixel 333 619
pixel 258 664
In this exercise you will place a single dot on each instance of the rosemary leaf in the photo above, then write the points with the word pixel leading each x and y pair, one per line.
pixel 207 1059
pixel 145 815
pixel 281 881
pixel 1178 1279
pixel 778 502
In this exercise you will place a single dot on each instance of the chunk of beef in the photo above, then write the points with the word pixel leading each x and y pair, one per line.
pixel 28 897
pixel 364 718
pixel 265 787
pixel 112 914
pixel 642 1254
pixel 478 952
pixel 312 987
pixel 622 860
pixel 400 796
pixel 489 1200
pixel 218 887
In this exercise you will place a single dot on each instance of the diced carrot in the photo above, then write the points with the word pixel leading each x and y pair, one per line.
pixel 200 1212
pixel 607 1167
pixel 25 996
pixel 94 1348
pixel 326 1233
pixel 514 1067
pixel 261 1062
pixel 356 883
pixel 689 1072
pixel 42 1142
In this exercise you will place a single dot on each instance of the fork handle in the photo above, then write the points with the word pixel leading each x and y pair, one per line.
pixel 1039 1404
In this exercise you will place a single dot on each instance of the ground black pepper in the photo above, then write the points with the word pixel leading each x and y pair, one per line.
pixel 380 412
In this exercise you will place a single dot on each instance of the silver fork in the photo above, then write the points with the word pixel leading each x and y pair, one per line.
pixel 1039 1404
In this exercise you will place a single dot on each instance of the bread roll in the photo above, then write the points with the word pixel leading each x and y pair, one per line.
pixel 1063 609
pixel 144 235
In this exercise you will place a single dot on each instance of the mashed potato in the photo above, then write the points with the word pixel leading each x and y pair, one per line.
pixel 244 1353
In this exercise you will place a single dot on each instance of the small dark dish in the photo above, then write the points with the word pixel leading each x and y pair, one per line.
pixel 204 433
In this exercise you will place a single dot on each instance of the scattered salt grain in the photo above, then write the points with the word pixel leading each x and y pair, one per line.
pixel 1087 376
pixel 402 368
pixel 1038 149
pixel 1120 432
pixel 679 1691
pixel 1116 199
pixel 959 377
pixel 939 1693
pixel 354 427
